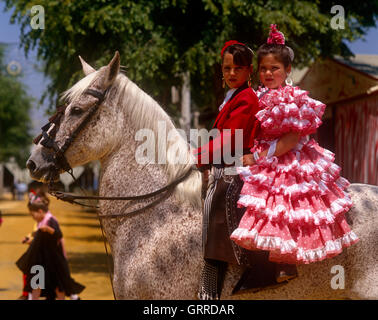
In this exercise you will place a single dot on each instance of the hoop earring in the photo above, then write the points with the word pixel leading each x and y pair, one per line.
pixel 288 80
pixel 249 81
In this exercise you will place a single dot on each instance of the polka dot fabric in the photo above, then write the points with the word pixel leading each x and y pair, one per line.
pixel 296 203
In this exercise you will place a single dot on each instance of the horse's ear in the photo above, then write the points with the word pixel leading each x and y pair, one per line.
pixel 112 69
pixel 87 69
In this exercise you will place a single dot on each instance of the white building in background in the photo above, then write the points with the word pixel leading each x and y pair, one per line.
pixel 18 175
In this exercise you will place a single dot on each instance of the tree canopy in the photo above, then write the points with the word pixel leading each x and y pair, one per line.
pixel 159 39
pixel 15 139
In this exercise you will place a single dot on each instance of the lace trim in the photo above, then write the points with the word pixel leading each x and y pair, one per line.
pixel 250 239
pixel 291 216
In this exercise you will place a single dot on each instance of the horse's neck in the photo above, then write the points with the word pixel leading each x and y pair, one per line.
pixel 122 174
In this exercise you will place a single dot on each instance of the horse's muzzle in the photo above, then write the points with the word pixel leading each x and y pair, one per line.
pixel 41 167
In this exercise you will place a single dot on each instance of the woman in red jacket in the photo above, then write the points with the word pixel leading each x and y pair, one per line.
pixel 220 217
pixel 237 110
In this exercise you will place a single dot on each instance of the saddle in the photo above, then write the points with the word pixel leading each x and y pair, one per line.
pixel 223 218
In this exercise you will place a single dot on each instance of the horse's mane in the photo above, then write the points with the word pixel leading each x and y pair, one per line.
pixel 144 113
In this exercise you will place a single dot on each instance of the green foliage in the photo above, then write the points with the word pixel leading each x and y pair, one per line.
pixel 14 118
pixel 159 39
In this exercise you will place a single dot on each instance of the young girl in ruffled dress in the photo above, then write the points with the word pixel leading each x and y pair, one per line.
pixel 294 195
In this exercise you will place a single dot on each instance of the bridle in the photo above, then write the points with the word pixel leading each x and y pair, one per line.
pixel 47 139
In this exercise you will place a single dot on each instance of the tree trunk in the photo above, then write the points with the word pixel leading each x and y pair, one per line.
pixel 185 103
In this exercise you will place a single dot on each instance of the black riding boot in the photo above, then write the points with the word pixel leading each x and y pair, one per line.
pixel 212 277
pixel 260 277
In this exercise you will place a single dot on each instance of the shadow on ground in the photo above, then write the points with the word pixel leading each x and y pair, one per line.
pixel 96 226
pixel 93 238
pixel 89 217
pixel 15 214
pixel 89 262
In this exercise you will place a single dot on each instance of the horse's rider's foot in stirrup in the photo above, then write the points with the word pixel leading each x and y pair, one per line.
pixel 285 272
pixel 211 281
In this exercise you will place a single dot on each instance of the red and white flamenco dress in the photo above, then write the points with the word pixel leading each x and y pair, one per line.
pixel 296 202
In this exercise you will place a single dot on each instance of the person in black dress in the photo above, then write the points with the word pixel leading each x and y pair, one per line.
pixel 46 250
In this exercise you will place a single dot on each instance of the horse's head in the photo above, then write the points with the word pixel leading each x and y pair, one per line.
pixel 81 131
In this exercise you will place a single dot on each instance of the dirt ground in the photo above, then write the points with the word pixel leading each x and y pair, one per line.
pixel 83 242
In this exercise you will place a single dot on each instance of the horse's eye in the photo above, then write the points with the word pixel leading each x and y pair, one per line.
pixel 76 111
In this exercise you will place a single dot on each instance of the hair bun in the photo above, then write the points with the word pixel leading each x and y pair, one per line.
pixel 277 37
pixel 33 198
pixel 38 197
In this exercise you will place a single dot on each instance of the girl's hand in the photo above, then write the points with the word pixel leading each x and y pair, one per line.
pixel 248 160
pixel 26 240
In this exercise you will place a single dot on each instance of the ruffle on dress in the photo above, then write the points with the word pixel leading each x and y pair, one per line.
pixel 289 109
pixel 299 245
pixel 296 203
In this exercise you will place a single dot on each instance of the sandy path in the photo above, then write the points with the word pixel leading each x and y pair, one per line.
pixel 83 241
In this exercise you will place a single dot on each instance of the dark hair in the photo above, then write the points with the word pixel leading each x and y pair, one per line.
pixel 242 54
pixel 41 203
pixel 281 52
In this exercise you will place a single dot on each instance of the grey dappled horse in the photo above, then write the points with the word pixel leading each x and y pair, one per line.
pixel 157 253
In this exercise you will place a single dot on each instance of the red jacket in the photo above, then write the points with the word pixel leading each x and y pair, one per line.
pixel 238 113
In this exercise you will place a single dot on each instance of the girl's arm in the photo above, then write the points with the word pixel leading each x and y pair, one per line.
pixel 54 229
pixel 47 229
pixel 284 144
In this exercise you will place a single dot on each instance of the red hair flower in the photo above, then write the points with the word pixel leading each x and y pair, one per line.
pixel 230 43
pixel 275 36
